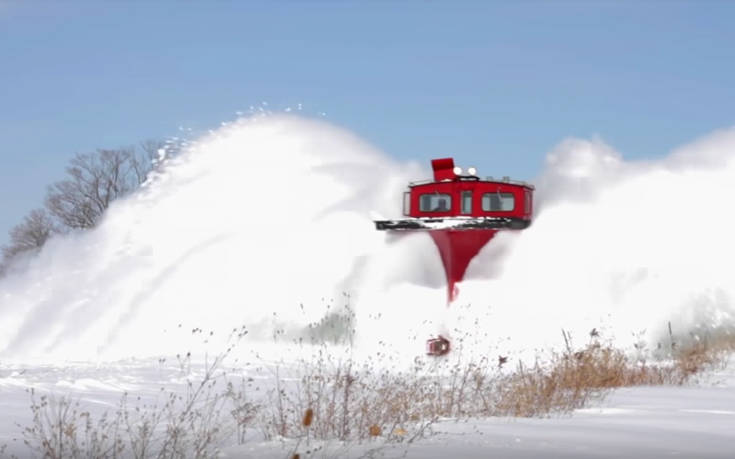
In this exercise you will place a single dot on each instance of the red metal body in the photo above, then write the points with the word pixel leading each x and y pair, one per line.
pixel 446 181
pixel 457 248
pixel 462 213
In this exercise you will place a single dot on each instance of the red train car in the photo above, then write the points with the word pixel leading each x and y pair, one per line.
pixel 454 200
pixel 462 212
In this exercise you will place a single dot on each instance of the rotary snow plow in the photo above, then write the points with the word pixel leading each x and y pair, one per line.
pixel 462 213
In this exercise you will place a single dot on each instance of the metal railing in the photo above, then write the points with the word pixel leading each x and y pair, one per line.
pixel 487 179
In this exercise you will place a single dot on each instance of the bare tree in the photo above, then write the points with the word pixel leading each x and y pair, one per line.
pixel 148 159
pixel 32 234
pixel 95 180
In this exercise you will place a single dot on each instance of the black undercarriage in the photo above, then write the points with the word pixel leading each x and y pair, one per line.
pixel 453 223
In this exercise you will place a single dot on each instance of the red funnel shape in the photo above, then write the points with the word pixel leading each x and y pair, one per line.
pixel 457 248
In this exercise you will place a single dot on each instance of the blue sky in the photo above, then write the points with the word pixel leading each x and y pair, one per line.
pixel 494 84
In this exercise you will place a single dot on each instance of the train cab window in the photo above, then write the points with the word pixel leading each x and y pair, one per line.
pixel 466 202
pixel 435 202
pixel 528 202
pixel 494 202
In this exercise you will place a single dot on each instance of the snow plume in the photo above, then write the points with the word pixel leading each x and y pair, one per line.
pixel 263 223
pixel 624 247
pixel 267 223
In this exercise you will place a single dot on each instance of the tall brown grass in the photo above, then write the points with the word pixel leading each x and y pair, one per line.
pixel 348 402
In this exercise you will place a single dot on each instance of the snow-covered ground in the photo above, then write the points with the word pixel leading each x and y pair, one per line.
pixel 695 420
pixel 641 422
pixel 692 421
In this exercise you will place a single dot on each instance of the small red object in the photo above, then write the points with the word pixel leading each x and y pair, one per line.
pixel 443 169
pixel 437 346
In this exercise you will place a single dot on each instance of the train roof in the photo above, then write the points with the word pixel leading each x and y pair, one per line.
pixel 472 178
pixel 446 172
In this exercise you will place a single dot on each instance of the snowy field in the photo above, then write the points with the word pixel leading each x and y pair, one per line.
pixel 695 420
pixel 641 422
